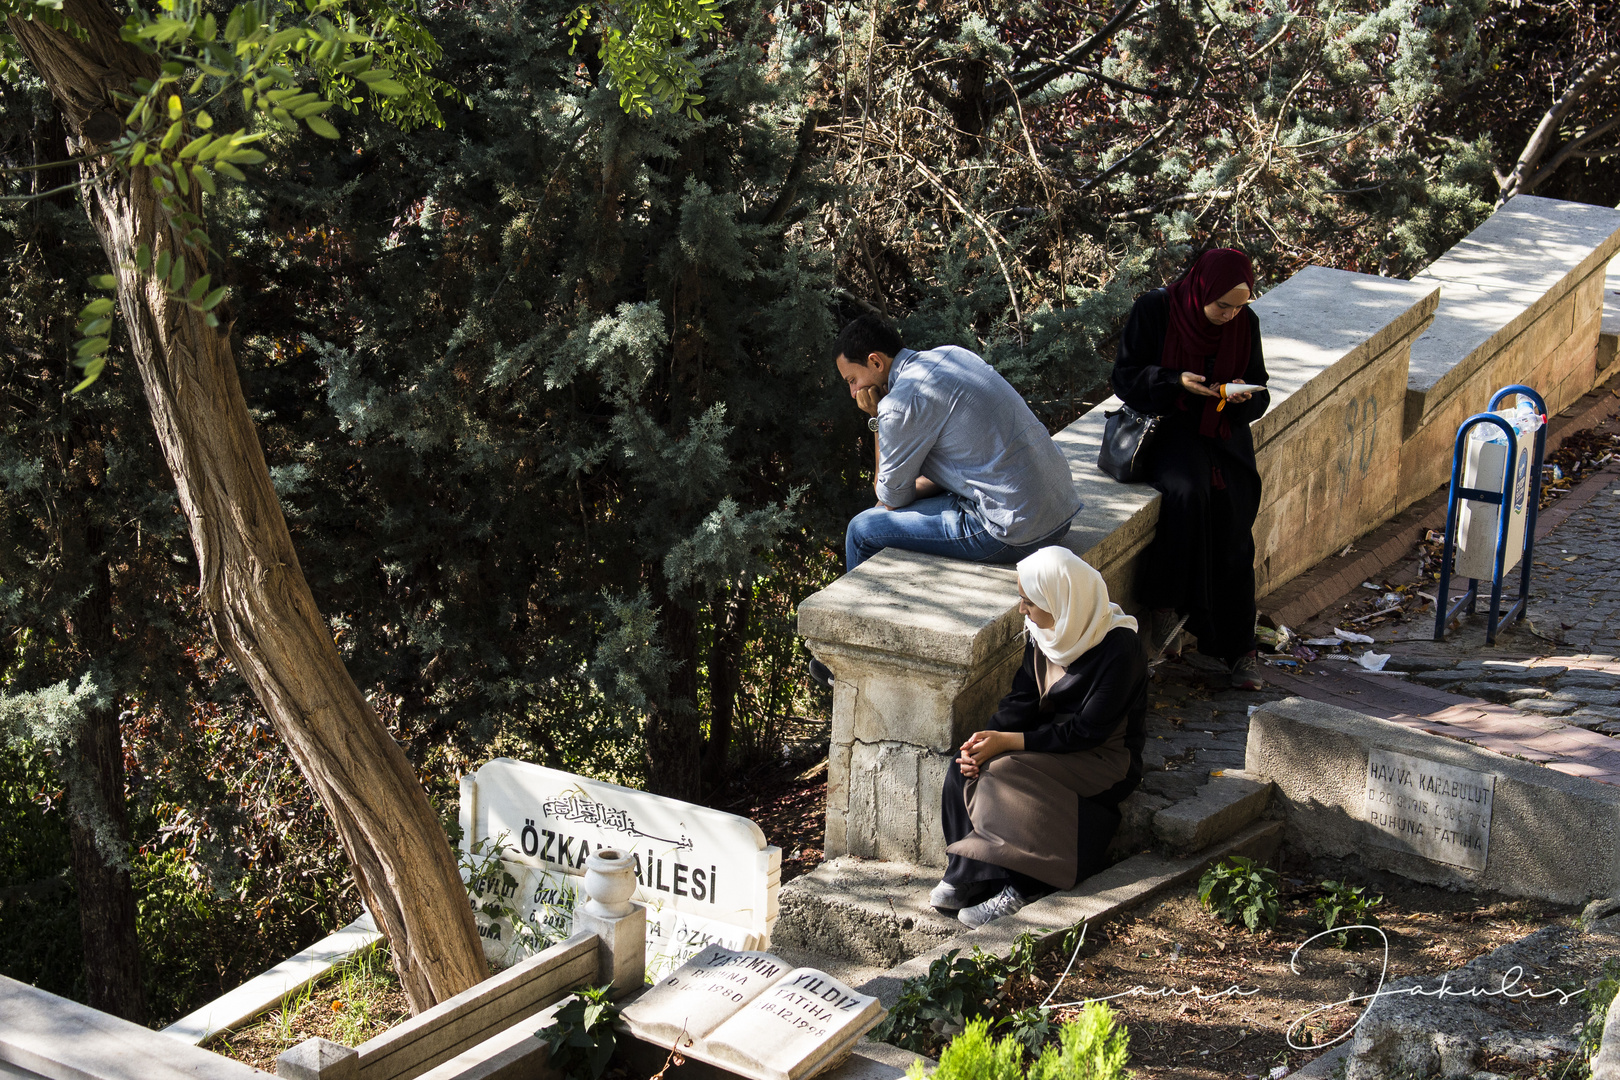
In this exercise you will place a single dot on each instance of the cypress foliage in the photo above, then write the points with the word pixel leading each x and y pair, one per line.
pixel 572 404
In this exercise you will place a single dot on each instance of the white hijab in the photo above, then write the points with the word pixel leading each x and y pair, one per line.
pixel 1058 581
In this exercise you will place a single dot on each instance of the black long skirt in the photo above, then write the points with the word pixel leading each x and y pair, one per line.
pixel 1201 560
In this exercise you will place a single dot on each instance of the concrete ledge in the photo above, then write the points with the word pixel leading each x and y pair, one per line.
pixel 1522 302
pixel 59 1039
pixel 870 912
pixel 1121 887
pixel 951 613
pixel 513 1054
pixel 1606 1062
pixel 460 1023
pixel 866 1061
pixel 1219 809
pixel 1552 836
pixel 1609 329
pixel 1502 277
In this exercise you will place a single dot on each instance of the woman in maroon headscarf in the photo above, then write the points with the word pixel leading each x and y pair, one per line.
pixel 1181 347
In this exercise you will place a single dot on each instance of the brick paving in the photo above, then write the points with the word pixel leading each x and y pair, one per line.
pixel 1548 691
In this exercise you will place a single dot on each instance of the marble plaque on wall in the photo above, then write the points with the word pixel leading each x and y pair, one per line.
pixel 1440 812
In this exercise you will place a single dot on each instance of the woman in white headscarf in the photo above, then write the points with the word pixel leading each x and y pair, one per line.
pixel 1031 802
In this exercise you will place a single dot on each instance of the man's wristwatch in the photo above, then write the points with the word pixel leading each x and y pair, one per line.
pixel 871 423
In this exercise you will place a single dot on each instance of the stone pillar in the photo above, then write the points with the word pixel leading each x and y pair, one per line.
pixel 620 926
pixel 318 1059
pixel 921 650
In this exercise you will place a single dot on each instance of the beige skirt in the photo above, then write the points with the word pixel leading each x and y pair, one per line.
pixel 1025 808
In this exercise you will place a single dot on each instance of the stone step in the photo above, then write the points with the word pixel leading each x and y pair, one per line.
pixel 862 910
pixel 1221 808
pixel 857 914
pixel 1122 887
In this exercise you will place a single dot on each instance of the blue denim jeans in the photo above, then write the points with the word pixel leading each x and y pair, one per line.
pixel 941 525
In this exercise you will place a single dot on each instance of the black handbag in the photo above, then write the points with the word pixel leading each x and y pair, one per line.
pixel 1127 444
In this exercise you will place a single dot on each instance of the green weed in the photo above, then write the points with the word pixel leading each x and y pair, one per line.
pixel 359 1009
pixel 1598 1000
pixel 1347 905
pixel 955 990
pixel 581 1035
pixel 1240 890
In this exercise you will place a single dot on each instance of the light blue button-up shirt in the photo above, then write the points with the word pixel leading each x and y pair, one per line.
pixel 950 417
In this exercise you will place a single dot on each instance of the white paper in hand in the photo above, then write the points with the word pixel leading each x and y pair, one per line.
pixel 1242 388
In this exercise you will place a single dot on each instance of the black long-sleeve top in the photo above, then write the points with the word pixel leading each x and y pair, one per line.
pixel 1102 689
pixel 1146 387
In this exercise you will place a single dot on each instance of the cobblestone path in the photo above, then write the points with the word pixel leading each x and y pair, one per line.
pixel 1575 583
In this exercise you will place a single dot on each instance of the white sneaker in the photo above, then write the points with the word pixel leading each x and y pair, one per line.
pixel 1004 903
pixel 945 897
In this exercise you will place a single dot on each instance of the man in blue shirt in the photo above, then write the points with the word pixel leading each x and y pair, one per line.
pixel 964 468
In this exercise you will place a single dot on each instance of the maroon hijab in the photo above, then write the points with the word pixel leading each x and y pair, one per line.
pixel 1192 338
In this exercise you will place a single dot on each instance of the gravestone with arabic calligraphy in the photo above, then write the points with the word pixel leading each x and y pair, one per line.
pixel 706 877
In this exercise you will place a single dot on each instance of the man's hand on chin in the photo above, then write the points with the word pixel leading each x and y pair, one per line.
pixel 867 400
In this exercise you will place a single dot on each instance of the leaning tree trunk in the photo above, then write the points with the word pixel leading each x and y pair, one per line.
pixel 107 929
pixel 258 603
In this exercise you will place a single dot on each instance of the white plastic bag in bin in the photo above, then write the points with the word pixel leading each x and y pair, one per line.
pixel 1482 468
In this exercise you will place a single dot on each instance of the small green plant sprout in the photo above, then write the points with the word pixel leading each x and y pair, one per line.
pixel 1092 1047
pixel 1346 905
pixel 1028 1027
pixel 1239 890
pixel 581 1035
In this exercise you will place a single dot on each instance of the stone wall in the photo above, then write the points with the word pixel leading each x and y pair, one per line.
pixel 1370 378
pixel 1521 302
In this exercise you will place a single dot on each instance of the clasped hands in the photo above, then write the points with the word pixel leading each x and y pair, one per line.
pixel 981 746
pixel 1195 384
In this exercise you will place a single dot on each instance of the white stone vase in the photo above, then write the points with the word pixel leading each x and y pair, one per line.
pixel 610 879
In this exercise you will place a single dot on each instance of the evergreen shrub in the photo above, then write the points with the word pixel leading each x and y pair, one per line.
pixel 1093 1047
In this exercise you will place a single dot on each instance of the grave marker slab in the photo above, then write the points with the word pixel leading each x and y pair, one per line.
pixel 701 993
pixel 796 1028
pixel 1440 812
pixel 705 876
pixel 748 1012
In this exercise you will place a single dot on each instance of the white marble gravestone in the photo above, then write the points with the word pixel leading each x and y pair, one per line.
pixel 703 992
pixel 752 1014
pixel 706 877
